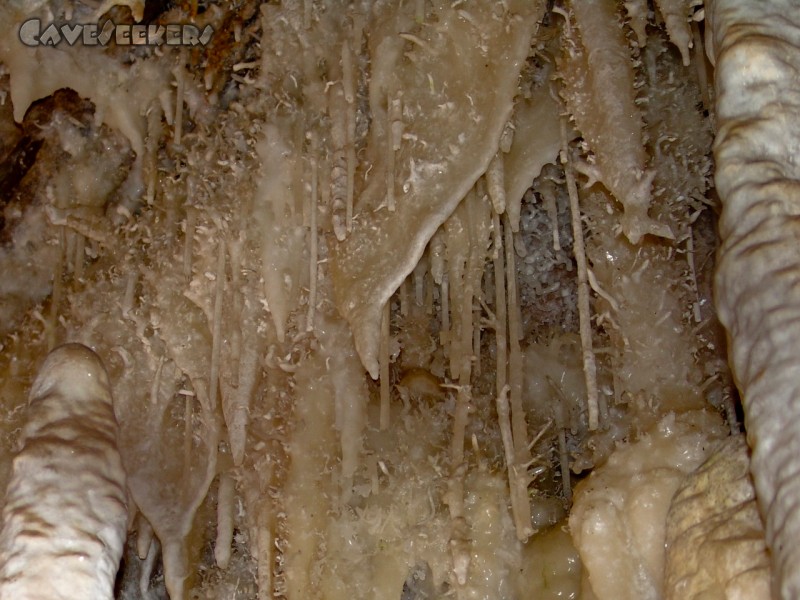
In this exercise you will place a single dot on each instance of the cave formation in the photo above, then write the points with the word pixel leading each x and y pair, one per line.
pixel 396 299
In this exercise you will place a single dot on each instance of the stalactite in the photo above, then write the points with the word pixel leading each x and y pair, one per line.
pixel 366 273
pixel 216 324
pixel 584 310
pixel 637 13
pixel 598 86
pixel 129 297
pixel 225 500
pixel 676 17
pixel 535 143
pixel 340 176
pixel 384 361
pixel 148 566
pixel 351 165
pixel 58 290
pixel 548 196
pixel 444 299
pixel 80 252
pixel 560 410
pixel 476 337
pixel 495 183
pixel 234 315
pixel 519 425
pixel 313 252
pixel 419 11
pixel 693 276
pixel 517 472
pixel 180 84
pixel 500 319
pixel 391 115
pixel 418 275
pixel 459 538
pixel 150 161
pixel 348 76
pixel 699 60
pixel 188 236
pixel 459 293
pixel 144 536
pixel 464 308
pixel 404 296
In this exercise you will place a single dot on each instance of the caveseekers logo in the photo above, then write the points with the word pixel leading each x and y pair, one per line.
pixel 91 34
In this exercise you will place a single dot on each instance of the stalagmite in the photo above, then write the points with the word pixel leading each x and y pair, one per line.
pixel 714 536
pixel 65 511
pixel 619 513
pixel 757 58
